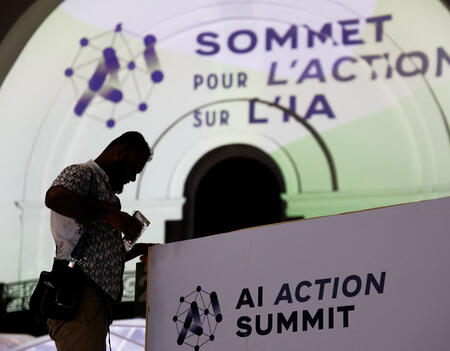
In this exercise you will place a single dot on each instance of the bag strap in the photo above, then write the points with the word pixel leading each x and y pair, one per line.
pixel 78 250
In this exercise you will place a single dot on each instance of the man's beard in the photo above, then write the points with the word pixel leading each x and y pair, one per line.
pixel 116 180
pixel 116 185
pixel 118 190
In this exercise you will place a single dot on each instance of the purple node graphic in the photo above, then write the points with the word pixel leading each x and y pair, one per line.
pixel 131 65
pixel 157 76
pixel 68 72
pixel 79 109
pixel 118 28
pixel 143 106
pixel 83 103
pixel 109 53
pixel 84 42
pixel 113 95
pixel 111 61
pixel 110 123
pixel 99 76
pixel 149 40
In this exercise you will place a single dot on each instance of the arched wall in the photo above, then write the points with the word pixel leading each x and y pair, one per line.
pixel 203 165
pixel 177 177
pixel 388 137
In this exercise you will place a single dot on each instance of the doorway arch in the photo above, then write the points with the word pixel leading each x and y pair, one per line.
pixel 231 187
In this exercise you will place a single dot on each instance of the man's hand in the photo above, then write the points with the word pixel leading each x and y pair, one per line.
pixel 124 223
pixel 139 249
pixel 73 205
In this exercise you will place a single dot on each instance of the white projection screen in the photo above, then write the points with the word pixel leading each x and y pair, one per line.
pixel 348 100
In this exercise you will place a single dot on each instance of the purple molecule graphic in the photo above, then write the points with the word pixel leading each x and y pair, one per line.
pixel 157 76
pixel 149 40
pixel 110 123
pixel 84 42
pixel 116 65
pixel 68 72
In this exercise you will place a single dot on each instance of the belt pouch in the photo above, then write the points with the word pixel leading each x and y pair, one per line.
pixel 57 293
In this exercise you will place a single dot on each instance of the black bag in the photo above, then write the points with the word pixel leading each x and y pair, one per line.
pixel 58 292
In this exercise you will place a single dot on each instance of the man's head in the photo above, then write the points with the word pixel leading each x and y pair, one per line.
pixel 124 158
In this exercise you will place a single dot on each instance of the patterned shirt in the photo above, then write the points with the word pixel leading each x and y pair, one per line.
pixel 103 257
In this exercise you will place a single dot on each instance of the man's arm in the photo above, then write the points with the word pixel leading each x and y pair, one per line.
pixel 139 249
pixel 73 205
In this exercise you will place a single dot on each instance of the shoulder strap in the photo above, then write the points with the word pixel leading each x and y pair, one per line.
pixel 78 250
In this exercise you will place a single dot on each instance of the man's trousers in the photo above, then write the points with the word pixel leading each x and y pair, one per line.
pixel 89 328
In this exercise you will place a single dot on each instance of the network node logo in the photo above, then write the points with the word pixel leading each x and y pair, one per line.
pixel 113 75
pixel 197 318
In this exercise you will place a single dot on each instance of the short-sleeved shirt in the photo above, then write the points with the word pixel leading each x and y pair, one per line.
pixel 103 257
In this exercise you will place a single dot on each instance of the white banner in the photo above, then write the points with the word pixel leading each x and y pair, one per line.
pixel 373 280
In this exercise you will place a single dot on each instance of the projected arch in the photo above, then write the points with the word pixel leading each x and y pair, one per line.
pixel 231 187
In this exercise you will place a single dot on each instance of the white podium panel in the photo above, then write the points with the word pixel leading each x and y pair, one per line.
pixel 372 280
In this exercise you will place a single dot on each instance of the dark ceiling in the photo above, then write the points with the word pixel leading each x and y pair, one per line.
pixel 10 11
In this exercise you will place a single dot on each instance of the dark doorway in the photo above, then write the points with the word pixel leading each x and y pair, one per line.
pixel 232 187
pixel 234 194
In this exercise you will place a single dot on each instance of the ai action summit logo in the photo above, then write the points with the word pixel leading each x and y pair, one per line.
pixel 113 75
pixel 197 317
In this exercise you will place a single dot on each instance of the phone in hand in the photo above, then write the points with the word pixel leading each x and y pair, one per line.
pixel 145 223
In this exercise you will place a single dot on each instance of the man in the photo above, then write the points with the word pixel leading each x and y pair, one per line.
pixel 83 200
